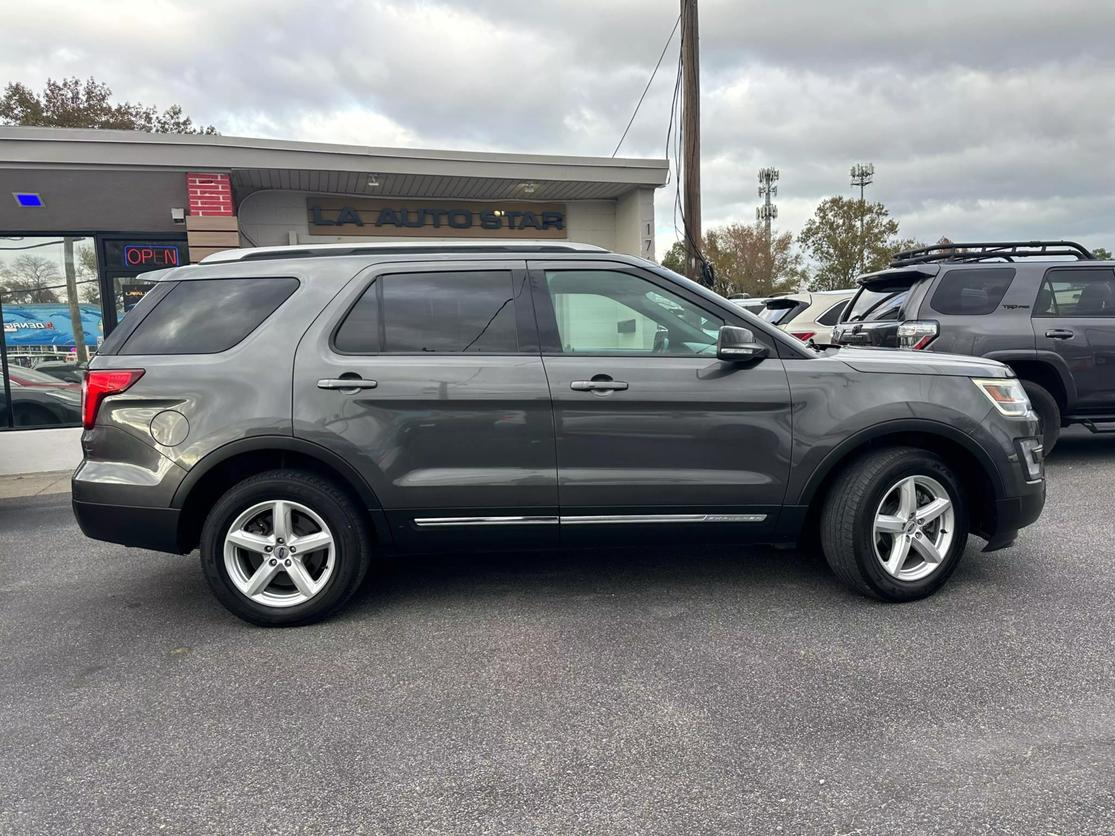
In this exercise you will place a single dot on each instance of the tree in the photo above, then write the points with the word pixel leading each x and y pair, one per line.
pixel 1102 253
pixel 742 261
pixel 846 237
pixel 675 258
pixel 72 103
pixel 29 280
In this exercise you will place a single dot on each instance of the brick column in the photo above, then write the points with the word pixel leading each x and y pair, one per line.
pixel 211 225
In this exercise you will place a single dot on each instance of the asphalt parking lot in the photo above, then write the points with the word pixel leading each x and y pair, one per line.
pixel 700 691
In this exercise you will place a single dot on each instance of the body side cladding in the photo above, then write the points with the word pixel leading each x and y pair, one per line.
pixel 287 444
pixel 896 427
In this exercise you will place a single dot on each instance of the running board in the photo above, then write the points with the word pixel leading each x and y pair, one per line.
pixel 1090 424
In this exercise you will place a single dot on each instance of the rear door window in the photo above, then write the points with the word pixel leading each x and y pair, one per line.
pixel 207 316
pixel 1077 293
pixel 455 312
pixel 972 292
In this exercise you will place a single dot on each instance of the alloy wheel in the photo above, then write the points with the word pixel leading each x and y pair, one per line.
pixel 914 528
pixel 279 553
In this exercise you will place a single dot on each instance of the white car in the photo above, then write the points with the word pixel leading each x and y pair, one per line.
pixel 809 315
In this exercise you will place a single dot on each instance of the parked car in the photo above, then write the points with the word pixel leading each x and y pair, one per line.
pixel 295 412
pixel 1051 320
pixel 65 371
pixel 40 406
pixel 38 378
pixel 751 304
pixel 808 315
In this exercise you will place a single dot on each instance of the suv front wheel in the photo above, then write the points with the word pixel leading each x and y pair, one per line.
pixel 1049 413
pixel 284 548
pixel 895 524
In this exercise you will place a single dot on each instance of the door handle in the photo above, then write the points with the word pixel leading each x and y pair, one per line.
pixel 1060 334
pixel 342 383
pixel 597 385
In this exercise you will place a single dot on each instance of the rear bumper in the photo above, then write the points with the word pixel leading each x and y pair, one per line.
pixel 1014 513
pixel 143 528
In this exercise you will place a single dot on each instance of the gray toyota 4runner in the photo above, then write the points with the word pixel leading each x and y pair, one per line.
pixel 1045 308
pixel 296 412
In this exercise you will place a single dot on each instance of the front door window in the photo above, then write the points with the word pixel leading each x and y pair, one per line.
pixel 609 312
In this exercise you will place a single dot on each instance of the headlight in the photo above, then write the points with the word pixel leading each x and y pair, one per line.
pixel 1007 394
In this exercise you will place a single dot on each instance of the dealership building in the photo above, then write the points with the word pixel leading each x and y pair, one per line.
pixel 85 213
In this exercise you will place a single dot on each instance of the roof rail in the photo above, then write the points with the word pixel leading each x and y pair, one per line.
pixel 396 247
pixel 988 251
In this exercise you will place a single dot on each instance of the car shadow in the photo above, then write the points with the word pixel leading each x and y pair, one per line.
pixel 573 573
pixel 1079 446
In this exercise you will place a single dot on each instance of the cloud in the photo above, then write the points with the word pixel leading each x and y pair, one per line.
pixel 993 118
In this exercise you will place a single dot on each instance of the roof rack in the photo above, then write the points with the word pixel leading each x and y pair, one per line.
pixel 395 247
pixel 989 251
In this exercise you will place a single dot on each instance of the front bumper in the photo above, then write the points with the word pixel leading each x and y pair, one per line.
pixel 1014 513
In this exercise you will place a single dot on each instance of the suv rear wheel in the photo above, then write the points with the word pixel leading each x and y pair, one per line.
pixel 895 524
pixel 1045 405
pixel 284 548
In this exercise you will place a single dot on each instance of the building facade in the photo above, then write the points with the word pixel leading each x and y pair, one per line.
pixel 84 214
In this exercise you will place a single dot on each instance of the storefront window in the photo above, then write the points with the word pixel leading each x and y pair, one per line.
pixel 50 304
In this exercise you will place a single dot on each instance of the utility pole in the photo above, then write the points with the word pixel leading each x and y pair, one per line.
pixel 691 138
pixel 863 175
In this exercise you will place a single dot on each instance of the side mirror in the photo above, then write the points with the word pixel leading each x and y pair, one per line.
pixel 737 345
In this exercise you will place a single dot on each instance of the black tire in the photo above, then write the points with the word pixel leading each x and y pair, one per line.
pixel 343 517
pixel 847 522
pixel 1048 410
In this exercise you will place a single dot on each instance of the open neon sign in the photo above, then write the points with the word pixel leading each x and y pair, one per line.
pixel 151 255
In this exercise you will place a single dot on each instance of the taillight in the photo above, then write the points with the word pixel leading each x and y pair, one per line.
pixel 916 334
pixel 804 336
pixel 98 385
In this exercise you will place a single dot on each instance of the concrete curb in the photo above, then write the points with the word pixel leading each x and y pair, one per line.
pixel 35 484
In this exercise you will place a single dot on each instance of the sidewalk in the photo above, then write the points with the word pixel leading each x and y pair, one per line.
pixel 35 484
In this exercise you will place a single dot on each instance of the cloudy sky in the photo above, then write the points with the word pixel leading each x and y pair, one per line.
pixel 984 118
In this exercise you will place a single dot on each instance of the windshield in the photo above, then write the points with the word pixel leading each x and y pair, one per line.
pixel 877 305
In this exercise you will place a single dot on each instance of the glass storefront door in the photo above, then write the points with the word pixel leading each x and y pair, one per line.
pixel 55 317
pixel 50 304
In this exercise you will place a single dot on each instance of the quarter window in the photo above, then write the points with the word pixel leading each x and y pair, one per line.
pixel 207 316
pixel 609 312
pixel 440 313
pixel 1079 292
pixel 832 315
pixel 972 292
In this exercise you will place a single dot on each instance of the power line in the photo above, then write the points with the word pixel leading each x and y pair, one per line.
pixel 654 72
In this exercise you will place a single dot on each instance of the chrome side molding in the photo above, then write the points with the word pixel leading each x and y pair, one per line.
pixel 442 522
pixel 589 519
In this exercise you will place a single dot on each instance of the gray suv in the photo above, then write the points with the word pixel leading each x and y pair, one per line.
pixel 297 412
pixel 1045 308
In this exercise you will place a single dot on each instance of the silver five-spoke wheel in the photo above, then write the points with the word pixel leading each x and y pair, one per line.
pixel 914 528
pixel 279 553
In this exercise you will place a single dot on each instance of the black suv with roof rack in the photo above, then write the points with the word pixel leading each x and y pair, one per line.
pixel 1045 308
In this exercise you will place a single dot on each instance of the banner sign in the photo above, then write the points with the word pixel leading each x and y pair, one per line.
pixel 49 324
pixel 434 218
